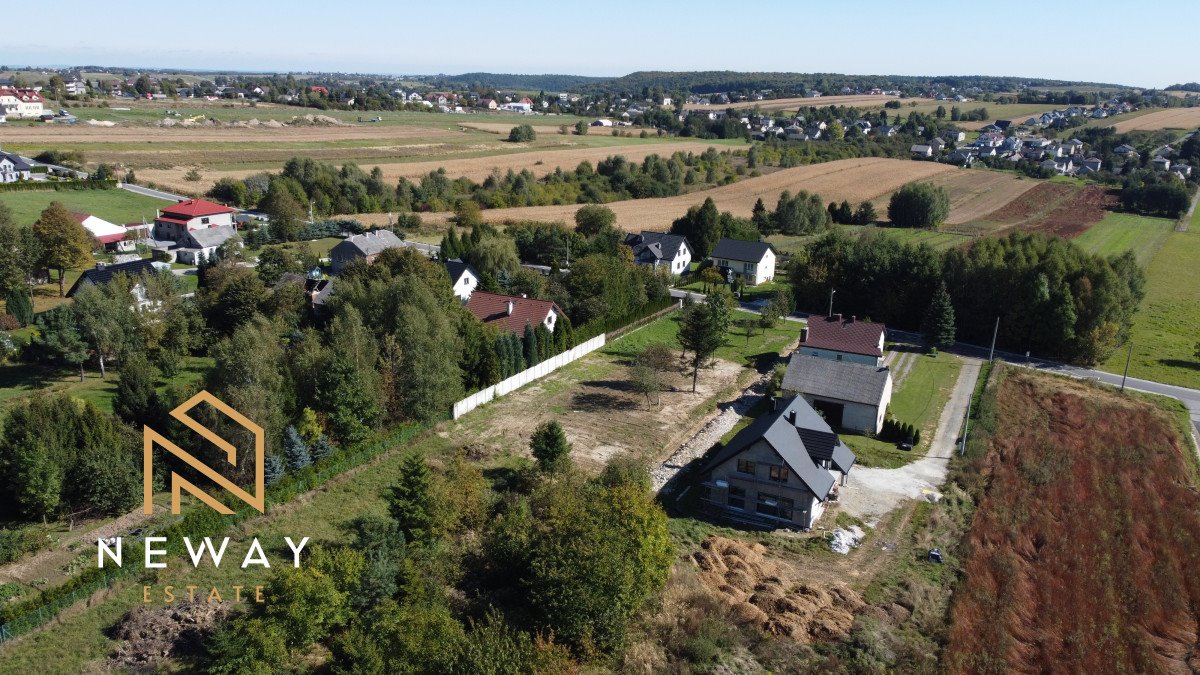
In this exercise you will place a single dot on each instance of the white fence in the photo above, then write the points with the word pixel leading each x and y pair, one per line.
pixel 526 376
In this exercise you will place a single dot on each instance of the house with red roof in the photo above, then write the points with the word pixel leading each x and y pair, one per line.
pixel 843 339
pixel 197 227
pixel 20 102
pixel 511 313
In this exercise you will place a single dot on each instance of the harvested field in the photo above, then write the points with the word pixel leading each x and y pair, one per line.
pixel 761 592
pixel 539 160
pixel 1171 118
pixel 857 100
pixel 973 193
pixel 52 135
pixel 505 127
pixel 855 180
pixel 1054 208
pixel 1086 539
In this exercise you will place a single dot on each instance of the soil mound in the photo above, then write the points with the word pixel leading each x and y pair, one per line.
pixel 761 592
pixel 151 635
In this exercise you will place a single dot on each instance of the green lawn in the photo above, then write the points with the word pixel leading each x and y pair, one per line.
pixel 918 401
pixel 116 206
pixel 21 380
pixel 1166 327
pixel 759 348
pixel 1120 232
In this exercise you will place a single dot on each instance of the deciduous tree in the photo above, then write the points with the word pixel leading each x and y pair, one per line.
pixel 66 245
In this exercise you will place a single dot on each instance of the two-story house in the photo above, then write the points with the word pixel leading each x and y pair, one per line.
pixel 197 227
pixel 780 470
pixel 668 251
pixel 463 278
pixel 751 261
pixel 13 168
pixel 366 246
pixel 838 339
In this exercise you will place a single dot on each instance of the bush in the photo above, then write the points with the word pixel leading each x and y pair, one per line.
pixel 919 205
pixel 522 134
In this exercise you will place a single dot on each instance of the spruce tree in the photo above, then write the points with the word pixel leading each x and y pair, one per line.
pixel 272 469
pixel 938 326
pixel 137 400
pixel 295 450
pixel 18 304
pixel 531 347
pixel 322 448
pixel 411 500
pixel 549 446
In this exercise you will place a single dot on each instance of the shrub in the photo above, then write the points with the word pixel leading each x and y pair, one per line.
pixel 522 134
pixel 919 205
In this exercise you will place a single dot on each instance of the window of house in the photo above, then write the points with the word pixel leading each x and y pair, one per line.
pixel 737 497
pixel 771 505
pixel 745 466
pixel 748 268
pixel 779 474
pixel 839 357
pixel 204 221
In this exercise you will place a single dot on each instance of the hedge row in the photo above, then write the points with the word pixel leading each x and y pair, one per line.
pixel 57 186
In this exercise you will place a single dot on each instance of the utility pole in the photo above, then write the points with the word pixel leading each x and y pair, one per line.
pixel 962 446
pixel 995 331
pixel 1128 356
pixel 831 292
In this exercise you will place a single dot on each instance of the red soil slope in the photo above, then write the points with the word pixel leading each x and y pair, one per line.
pixel 1085 548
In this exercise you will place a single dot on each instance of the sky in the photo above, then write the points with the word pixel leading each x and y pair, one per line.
pixel 1094 41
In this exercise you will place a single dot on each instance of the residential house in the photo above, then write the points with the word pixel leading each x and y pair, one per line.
pixel 1061 165
pixel 318 290
pixel 511 313
pixel 752 261
pixel 1091 164
pixel 197 227
pixel 849 395
pixel 202 244
pixel 20 103
pixel 75 88
pixel 110 235
pixel 1161 164
pixel 656 249
pixel 843 339
pixel 366 246
pixel 1125 150
pixel 1074 146
pixel 1183 170
pixel 13 168
pixel 103 274
pixel 921 151
pixel 937 145
pixel 954 136
pixel 487 103
pixel 778 471
pixel 887 131
pixel 463 278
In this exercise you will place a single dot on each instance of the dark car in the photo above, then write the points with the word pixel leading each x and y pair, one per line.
pixel 906 444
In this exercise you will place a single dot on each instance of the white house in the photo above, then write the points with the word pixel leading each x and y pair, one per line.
pixel 661 250
pixel 838 339
pixel 23 103
pixel 463 278
pixel 13 168
pixel 850 395
pixel 110 235
pixel 752 261
pixel 197 227
pixel 921 151
pixel 75 88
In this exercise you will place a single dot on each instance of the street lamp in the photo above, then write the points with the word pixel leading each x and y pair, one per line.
pixel 831 292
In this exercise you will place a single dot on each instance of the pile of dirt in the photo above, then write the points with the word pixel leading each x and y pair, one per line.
pixel 150 635
pixel 759 591
pixel 316 121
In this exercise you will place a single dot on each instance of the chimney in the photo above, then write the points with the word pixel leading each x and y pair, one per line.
pixel 792 417
pixel 510 307
pixel 852 318
pixel 837 317
pixel 804 334
pixel 774 403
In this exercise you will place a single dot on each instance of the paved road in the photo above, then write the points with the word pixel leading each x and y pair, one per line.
pixel 147 192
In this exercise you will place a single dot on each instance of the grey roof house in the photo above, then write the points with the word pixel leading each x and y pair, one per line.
pixel 366 246
pixel 753 261
pixel 849 395
pixel 463 278
pixel 660 250
pixel 780 470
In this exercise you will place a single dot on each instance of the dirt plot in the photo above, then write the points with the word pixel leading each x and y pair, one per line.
pixel 1171 118
pixel 540 161
pixel 973 193
pixel 1054 208
pixel 857 100
pixel 856 180
pixel 1085 543
pixel 595 403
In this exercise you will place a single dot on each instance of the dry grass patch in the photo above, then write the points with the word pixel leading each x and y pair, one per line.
pixel 1171 118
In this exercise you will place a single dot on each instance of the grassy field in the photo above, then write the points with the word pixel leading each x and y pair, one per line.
pixel 115 206
pixel 19 381
pixel 918 400
pixel 739 347
pixel 1167 326
pixel 1120 232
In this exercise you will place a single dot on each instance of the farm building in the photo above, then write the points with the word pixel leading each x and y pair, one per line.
pixel 103 274
pixel 512 313
pixel 110 235
pixel 751 261
pixel 850 395
pixel 780 470
pixel 366 246
pixel 838 339
pixel 660 250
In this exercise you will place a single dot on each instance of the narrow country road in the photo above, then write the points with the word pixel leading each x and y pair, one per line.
pixel 147 192
pixel 872 492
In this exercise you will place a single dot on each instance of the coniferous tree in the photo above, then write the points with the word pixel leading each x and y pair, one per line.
pixel 322 448
pixel 272 469
pixel 137 401
pixel 295 450
pixel 531 346
pixel 411 500
pixel 549 446
pixel 18 303
pixel 938 326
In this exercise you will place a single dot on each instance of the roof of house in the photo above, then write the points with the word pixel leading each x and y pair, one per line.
pixel 655 245
pixel 492 308
pixel 104 274
pixel 457 268
pixel 208 237
pixel 104 231
pixel 800 436
pixel 844 335
pixel 194 208
pixel 370 243
pixel 739 249
pixel 842 380
pixel 18 163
